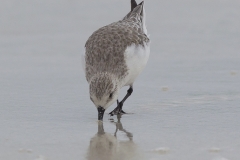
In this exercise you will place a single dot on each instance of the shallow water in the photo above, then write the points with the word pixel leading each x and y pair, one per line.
pixel 185 105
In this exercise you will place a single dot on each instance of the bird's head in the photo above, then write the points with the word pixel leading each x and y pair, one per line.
pixel 103 92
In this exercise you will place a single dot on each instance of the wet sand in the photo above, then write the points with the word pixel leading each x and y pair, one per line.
pixel 185 104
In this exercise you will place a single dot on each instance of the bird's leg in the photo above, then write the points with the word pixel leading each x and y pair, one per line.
pixel 122 112
pixel 118 109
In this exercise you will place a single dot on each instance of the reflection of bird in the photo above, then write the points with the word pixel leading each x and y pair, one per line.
pixel 127 149
pixel 119 126
pixel 104 146
pixel 114 56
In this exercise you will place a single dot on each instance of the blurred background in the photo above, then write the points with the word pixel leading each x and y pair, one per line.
pixel 185 103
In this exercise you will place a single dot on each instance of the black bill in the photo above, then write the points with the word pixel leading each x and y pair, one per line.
pixel 101 111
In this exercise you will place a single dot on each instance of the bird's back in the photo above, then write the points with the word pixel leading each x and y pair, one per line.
pixel 105 47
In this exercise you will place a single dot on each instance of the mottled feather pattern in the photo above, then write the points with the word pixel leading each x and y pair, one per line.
pixel 102 82
pixel 105 47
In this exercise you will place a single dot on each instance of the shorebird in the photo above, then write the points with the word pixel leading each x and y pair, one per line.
pixel 114 56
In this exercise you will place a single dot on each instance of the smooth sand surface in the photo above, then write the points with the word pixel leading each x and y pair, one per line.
pixel 185 104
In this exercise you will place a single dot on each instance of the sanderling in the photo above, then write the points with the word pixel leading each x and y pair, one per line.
pixel 114 56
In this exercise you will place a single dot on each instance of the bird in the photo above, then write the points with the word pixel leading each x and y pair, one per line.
pixel 114 57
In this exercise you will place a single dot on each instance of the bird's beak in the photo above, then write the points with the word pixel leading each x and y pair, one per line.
pixel 101 111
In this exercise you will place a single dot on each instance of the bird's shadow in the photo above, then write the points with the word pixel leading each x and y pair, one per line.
pixel 106 146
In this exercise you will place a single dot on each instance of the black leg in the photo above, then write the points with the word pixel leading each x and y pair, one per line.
pixel 129 92
pixel 118 109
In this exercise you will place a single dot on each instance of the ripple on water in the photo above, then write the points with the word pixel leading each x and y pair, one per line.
pixel 22 150
pixel 162 150
pixel 220 158
pixel 41 158
pixel 214 150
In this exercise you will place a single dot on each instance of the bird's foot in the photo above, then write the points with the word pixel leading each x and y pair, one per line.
pixel 118 110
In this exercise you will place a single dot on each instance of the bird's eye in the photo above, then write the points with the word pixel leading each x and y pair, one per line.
pixel 110 96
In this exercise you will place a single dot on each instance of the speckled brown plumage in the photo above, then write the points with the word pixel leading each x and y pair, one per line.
pixel 105 47
pixel 106 85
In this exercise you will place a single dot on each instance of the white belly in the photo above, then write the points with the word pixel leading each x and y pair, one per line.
pixel 136 59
